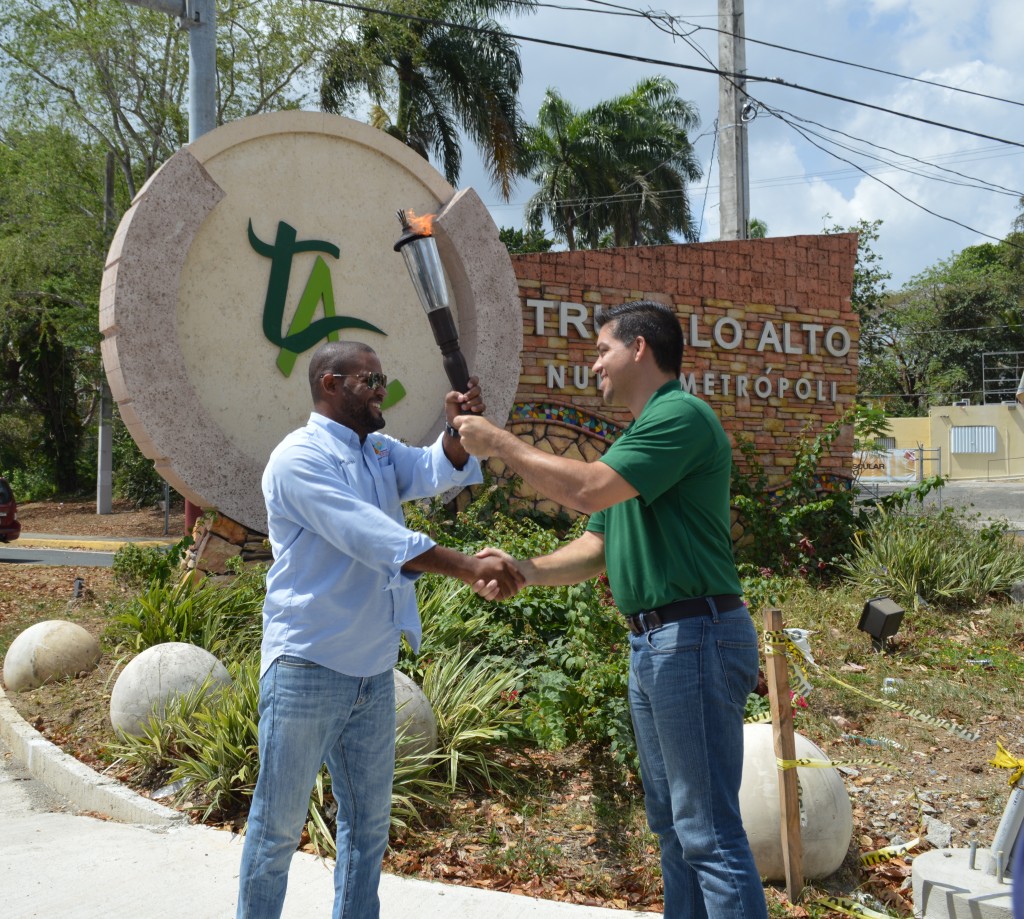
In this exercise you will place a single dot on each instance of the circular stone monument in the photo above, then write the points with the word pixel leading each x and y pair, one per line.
pixel 826 817
pixel 47 651
pixel 151 680
pixel 415 716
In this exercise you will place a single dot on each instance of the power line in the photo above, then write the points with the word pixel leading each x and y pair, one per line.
pixel 891 188
pixel 621 10
pixel 972 181
pixel 714 71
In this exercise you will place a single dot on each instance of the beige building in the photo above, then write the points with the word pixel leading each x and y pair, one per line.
pixel 963 441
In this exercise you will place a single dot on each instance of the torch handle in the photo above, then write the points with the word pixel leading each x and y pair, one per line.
pixel 447 338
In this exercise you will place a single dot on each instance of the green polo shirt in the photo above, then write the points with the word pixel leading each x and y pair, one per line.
pixel 672 541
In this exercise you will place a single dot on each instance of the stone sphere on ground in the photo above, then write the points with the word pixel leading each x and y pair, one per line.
pixel 826 816
pixel 415 717
pixel 47 651
pixel 155 677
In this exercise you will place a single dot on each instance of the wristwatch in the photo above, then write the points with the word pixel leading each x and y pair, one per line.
pixel 450 431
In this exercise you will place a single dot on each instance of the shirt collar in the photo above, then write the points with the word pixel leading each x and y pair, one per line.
pixel 664 389
pixel 338 431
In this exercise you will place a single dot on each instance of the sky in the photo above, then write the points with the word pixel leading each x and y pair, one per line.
pixel 795 187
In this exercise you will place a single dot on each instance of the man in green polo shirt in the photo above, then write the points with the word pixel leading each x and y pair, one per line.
pixel 660 522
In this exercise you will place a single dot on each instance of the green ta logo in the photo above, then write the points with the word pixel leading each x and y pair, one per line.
pixel 304 331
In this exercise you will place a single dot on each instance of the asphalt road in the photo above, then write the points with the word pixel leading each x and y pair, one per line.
pixel 12 554
pixel 990 500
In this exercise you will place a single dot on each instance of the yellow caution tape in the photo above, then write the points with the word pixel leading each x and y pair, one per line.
pixel 776 640
pixel 843 905
pixel 830 763
pixel 1004 760
pixel 887 853
pixel 758 719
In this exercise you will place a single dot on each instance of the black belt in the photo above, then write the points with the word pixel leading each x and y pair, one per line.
pixel 649 619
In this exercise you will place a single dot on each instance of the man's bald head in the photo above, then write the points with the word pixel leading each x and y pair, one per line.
pixel 333 356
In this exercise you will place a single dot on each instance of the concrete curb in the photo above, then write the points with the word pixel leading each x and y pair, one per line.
pixel 85 788
pixel 87 543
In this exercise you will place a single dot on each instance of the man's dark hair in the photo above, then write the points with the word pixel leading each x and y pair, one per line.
pixel 656 323
pixel 333 357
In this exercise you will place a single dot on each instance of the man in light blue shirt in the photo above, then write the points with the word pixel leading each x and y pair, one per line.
pixel 340 594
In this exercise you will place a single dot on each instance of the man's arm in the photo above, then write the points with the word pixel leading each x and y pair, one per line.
pixel 577 561
pixel 587 487
pixel 492 577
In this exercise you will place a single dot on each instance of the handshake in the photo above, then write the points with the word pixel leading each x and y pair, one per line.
pixel 497 575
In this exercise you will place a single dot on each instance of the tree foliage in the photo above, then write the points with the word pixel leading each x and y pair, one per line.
pixel 118 75
pixel 520 241
pixel 428 80
pixel 931 336
pixel 923 345
pixel 84 83
pixel 616 173
pixel 51 257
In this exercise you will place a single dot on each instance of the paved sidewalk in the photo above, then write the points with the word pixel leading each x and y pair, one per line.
pixel 59 858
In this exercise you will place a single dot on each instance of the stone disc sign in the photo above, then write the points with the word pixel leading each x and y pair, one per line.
pixel 250 247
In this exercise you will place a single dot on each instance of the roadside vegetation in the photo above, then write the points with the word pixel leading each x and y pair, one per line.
pixel 534 786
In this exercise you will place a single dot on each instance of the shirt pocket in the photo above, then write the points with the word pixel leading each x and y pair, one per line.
pixel 389 497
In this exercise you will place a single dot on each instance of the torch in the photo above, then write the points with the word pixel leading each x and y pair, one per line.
pixel 419 250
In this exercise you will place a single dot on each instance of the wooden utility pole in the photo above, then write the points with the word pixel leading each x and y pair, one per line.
pixel 734 181
pixel 777 676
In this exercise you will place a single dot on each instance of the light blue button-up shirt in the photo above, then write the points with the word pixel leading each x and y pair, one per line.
pixel 336 594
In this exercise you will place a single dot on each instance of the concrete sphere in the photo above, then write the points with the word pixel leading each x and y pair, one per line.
pixel 826 817
pixel 415 715
pixel 155 677
pixel 47 651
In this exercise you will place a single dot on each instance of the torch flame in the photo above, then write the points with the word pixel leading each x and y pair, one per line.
pixel 421 226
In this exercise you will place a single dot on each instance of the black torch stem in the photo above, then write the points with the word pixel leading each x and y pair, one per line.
pixel 447 338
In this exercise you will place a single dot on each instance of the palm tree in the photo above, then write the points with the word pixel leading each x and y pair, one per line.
pixel 618 170
pixel 427 80
pixel 567 155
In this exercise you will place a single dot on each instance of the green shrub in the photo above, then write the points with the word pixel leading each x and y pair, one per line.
pixel 805 524
pixel 476 705
pixel 942 559
pixel 226 620
pixel 138 566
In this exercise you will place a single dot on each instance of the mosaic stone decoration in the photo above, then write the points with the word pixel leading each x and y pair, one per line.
pixel 569 415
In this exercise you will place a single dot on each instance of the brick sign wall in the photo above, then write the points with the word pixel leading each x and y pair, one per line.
pixel 771 339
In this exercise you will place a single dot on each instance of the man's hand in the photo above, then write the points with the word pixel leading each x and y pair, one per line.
pixel 471 401
pixel 499 576
pixel 479 437
pixel 455 403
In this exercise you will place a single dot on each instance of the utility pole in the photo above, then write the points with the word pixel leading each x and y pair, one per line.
pixel 734 179
pixel 199 19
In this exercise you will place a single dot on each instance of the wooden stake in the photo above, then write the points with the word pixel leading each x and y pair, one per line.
pixel 777 676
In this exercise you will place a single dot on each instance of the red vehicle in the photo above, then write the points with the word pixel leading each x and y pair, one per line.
pixel 10 528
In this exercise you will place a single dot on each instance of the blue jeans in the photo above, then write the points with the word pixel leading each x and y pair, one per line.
pixel 688 682
pixel 310 715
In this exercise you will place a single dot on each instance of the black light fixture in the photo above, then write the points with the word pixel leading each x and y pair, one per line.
pixel 419 250
pixel 881 620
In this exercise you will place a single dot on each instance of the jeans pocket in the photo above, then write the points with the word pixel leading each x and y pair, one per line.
pixel 290 660
pixel 670 639
pixel 739 661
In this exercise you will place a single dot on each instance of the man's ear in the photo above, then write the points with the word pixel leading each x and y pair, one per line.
pixel 641 348
pixel 329 382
